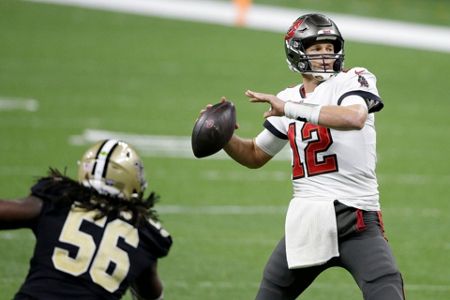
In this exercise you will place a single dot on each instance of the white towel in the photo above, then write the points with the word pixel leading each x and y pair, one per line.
pixel 311 232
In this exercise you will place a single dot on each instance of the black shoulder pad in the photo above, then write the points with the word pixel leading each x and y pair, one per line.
pixel 47 189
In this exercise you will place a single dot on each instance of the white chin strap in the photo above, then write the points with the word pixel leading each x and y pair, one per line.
pixel 321 76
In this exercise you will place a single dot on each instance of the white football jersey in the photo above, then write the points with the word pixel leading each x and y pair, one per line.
pixel 331 164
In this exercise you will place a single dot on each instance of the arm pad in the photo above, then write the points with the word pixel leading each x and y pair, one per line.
pixel 302 112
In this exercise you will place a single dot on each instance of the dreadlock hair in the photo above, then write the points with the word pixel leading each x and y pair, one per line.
pixel 64 191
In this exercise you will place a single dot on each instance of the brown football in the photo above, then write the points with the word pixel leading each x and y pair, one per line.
pixel 213 129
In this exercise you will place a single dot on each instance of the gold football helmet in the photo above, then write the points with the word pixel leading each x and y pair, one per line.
pixel 112 167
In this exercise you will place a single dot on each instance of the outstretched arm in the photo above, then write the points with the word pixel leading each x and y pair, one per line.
pixel 148 285
pixel 19 213
pixel 246 152
pixel 337 117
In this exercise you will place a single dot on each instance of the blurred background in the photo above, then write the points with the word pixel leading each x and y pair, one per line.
pixel 70 75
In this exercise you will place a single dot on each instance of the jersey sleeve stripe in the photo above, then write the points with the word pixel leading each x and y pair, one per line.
pixel 374 103
pixel 274 131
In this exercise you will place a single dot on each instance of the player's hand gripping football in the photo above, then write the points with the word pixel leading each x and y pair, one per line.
pixel 276 104
pixel 213 128
pixel 208 106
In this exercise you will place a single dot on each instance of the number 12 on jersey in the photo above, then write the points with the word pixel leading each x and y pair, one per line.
pixel 315 144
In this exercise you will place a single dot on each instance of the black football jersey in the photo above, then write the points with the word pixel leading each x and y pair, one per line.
pixel 78 256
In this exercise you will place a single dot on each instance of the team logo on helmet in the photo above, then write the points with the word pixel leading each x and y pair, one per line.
pixel 293 29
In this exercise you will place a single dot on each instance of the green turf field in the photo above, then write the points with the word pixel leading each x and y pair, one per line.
pixel 431 11
pixel 140 75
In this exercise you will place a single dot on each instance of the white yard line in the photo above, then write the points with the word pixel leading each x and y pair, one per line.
pixel 318 285
pixel 152 145
pixel 223 285
pixel 180 147
pixel 225 210
pixel 277 19
pixel 221 210
pixel 7 104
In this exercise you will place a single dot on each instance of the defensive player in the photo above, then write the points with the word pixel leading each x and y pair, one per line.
pixel 334 217
pixel 95 237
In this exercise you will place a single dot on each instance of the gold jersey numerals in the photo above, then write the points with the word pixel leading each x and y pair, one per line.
pixel 108 252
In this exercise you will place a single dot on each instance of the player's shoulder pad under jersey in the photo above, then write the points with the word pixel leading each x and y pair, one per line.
pixel 48 189
pixel 358 78
pixel 158 226
pixel 361 82
pixel 290 93
pixel 157 237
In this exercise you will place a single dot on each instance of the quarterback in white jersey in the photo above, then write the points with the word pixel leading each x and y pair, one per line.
pixel 326 162
pixel 334 216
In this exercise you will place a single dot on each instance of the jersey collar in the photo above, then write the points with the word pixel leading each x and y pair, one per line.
pixel 302 91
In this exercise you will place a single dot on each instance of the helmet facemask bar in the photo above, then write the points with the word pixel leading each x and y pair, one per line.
pixel 321 71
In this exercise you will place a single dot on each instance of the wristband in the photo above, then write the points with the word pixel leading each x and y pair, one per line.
pixel 304 112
